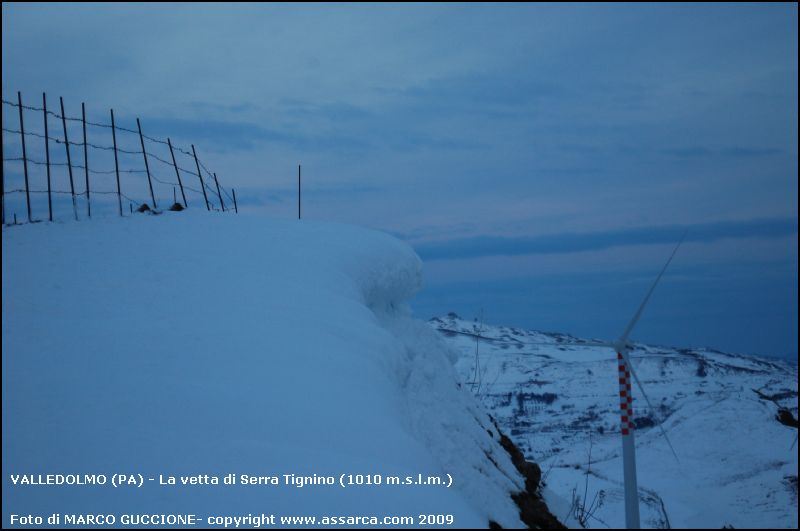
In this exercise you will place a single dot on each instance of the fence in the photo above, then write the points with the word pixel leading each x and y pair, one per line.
pixel 213 198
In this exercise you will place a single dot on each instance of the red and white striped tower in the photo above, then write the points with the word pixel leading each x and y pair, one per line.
pixel 623 348
pixel 628 445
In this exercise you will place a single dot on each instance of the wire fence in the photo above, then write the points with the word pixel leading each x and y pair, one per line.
pixel 205 183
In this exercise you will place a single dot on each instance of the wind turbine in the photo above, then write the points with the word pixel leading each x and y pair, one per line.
pixel 623 347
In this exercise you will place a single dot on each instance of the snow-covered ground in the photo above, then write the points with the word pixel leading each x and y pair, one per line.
pixel 194 343
pixel 556 401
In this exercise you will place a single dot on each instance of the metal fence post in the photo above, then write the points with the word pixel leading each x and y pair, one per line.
pixel 199 174
pixel 116 160
pixel 177 172
pixel 47 157
pixel 299 197
pixel 2 177
pixel 86 161
pixel 221 202
pixel 69 160
pixel 24 157
pixel 146 165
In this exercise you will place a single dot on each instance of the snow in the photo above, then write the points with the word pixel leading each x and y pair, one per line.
pixel 196 343
pixel 555 400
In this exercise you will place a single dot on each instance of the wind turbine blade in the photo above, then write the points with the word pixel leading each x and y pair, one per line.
pixel 624 352
pixel 624 338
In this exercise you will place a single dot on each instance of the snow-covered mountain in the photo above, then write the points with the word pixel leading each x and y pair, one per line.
pixel 558 402
pixel 198 345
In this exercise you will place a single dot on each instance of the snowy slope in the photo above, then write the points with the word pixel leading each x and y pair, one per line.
pixel 555 400
pixel 190 343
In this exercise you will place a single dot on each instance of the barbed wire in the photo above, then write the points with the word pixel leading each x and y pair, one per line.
pixel 227 194
pixel 74 165
pixel 168 163
pixel 203 168
pixel 22 190
pixel 89 144
pixel 95 124
pixel 28 107
pixel 67 192
pixel 210 176
pixel 83 193
pixel 68 118
pixel 102 172
pixel 58 140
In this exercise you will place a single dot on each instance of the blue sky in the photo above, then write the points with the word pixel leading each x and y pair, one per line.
pixel 541 158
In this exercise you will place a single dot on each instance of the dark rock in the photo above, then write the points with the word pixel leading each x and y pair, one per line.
pixel 644 422
pixel 532 509
pixel 144 207
pixel 701 369
pixel 785 417
pixel 534 512
pixel 176 207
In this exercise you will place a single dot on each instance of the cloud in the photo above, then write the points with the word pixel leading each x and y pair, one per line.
pixel 242 135
pixel 732 152
pixel 695 304
pixel 223 108
pixel 689 152
pixel 594 241
pixel 747 152
pixel 446 122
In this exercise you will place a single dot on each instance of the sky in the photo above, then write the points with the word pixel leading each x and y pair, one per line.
pixel 542 159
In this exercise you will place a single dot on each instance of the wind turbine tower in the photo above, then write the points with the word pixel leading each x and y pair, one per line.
pixel 623 347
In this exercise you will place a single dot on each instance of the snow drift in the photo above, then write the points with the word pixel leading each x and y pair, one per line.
pixel 194 344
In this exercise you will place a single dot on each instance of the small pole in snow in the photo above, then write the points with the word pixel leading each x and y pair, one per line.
pixel 299 197
pixel 235 206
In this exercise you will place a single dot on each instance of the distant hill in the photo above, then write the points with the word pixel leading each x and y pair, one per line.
pixel 732 420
